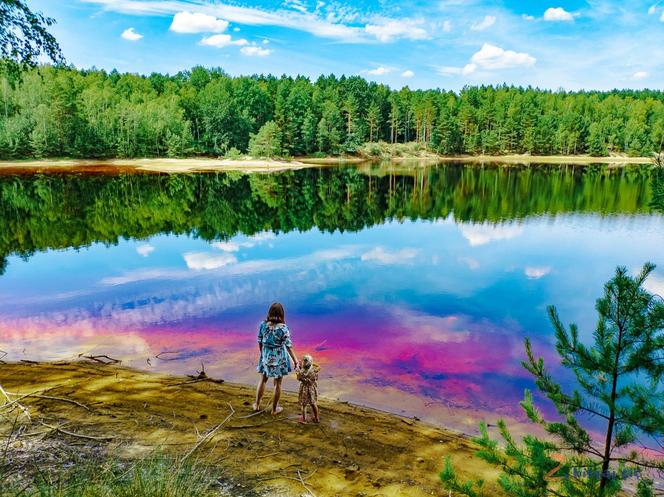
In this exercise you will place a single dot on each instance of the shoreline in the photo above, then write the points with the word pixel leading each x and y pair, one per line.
pixel 355 449
pixel 202 164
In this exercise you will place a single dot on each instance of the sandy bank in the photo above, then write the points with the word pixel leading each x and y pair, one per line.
pixel 354 451
pixel 259 165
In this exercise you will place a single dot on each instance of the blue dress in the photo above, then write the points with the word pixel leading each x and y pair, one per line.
pixel 274 361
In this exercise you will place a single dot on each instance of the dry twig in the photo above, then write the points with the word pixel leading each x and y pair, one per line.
pixel 77 435
pixel 209 434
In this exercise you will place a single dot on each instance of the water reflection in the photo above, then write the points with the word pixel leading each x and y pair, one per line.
pixel 413 291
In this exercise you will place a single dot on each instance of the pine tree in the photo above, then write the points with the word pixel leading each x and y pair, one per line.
pixel 267 142
pixel 620 383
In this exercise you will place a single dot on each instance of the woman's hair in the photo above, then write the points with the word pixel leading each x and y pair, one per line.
pixel 275 314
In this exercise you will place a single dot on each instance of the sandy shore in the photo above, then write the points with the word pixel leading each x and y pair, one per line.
pixel 257 165
pixel 354 451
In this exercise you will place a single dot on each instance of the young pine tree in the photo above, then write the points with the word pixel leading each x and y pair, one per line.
pixel 619 380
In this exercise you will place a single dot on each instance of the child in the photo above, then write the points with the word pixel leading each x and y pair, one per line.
pixel 308 396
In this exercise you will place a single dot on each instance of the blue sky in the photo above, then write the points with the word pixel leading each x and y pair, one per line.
pixel 573 44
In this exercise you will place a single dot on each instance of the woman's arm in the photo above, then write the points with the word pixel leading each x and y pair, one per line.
pixel 291 353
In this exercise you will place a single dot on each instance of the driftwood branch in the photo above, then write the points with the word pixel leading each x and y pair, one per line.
pixel 77 435
pixel 209 434
pixel 11 403
pixel 50 397
pixel 101 359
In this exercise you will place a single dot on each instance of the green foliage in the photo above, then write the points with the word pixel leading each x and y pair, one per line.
pixel 267 142
pixel 24 37
pixel 156 476
pixel 620 383
pixel 56 112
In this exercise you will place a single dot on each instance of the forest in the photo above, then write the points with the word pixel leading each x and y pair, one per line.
pixel 60 111
pixel 57 211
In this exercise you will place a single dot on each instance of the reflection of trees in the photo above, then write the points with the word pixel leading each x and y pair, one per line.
pixel 58 211
pixel 657 202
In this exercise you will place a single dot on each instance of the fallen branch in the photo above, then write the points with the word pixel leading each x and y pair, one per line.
pixel 77 435
pixel 306 487
pixel 245 427
pixel 209 434
pixel 10 402
pixel 49 397
pixel 102 359
pixel 158 356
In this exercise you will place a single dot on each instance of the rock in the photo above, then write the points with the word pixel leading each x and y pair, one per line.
pixel 420 459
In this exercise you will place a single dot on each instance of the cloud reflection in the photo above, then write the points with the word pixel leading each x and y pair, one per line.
pixel 481 234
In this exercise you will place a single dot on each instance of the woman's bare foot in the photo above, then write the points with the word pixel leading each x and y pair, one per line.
pixel 278 410
pixel 302 420
pixel 255 407
pixel 316 420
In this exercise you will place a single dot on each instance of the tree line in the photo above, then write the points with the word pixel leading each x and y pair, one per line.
pixel 51 111
pixel 57 211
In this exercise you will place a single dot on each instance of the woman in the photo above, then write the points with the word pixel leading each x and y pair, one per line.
pixel 274 345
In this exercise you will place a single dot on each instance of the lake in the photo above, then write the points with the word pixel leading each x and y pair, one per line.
pixel 412 287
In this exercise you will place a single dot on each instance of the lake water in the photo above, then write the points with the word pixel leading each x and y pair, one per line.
pixel 413 288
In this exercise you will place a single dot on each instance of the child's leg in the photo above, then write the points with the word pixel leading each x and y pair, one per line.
pixel 303 414
pixel 314 407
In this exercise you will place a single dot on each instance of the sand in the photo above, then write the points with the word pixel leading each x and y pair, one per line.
pixel 258 165
pixel 354 451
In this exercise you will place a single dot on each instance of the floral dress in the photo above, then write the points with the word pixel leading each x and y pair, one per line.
pixel 308 394
pixel 274 361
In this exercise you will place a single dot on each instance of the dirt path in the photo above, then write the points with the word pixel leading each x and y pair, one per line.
pixel 353 452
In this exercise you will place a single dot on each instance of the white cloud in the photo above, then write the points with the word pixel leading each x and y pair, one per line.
pixel 536 272
pixel 447 26
pixel 378 71
pixel 661 18
pixel 639 75
pixel 527 17
pixel 197 22
pixel 652 9
pixel 382 256
pixel 485 23
pixel 236 29
pixel 391 30
pixel 255 51
pixel 407 73
pixel 481 234
pixel 145 249
pixel 266 41
pixel 491 57
pixel 131 35
pixel 558 14
pixel 309 22
pixel 203 260
pixel 227 246
pixel 222 40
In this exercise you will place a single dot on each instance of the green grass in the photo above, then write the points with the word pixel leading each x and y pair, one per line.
pixel 156 476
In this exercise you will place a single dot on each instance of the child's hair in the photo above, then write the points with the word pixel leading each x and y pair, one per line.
pixel 275 314
pixel 307 361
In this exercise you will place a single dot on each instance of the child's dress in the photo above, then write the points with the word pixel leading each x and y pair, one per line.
pixel 308 394
pixel 274 361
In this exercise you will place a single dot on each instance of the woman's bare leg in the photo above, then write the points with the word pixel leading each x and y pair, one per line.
pixel 314 407
pixel 303 414
pixel 276 409
pixel 260 390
